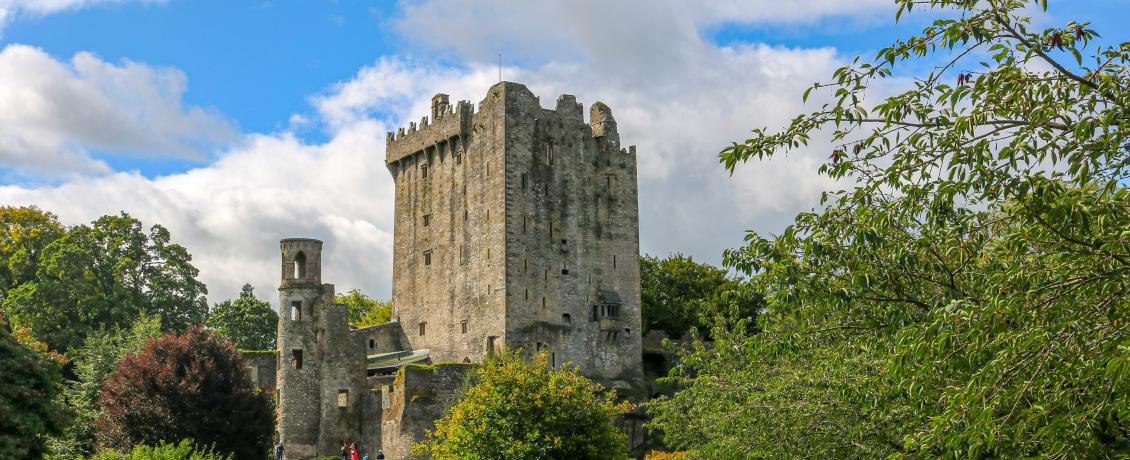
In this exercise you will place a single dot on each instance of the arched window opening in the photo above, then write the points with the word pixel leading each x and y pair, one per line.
pixel 300 265
pixel 565 318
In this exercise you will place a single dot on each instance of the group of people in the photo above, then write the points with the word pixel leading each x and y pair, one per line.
pixel 348 452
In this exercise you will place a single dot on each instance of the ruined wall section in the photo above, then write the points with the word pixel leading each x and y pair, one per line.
pixel 447 259
pixel 416 399
pixel 573 238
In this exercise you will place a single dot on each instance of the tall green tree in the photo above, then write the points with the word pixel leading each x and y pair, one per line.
pixel 966 295
pixel 365 311
pixel 188 386
pixel 249 322
pixel 107 275
pixel 679 294
pixel 30 404
pixel 24 233
pixel 520 409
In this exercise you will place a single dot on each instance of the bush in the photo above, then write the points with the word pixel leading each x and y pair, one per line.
pixel 522 409
pixel 191 386
pixel 184 450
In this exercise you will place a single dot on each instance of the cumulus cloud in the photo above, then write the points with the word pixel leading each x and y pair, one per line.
pixel 677 96
pixel 54 113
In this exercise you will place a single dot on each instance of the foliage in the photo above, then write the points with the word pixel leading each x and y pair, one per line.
pixel 106 275
pixel 660 455
pixel 966 295
pixel 30 406
pixel 187 386
pixel 24 233
pixel 249 322
pixel 522 409
pixel 184 450
pixel 94 362
pixel 365 311
pixel 678 294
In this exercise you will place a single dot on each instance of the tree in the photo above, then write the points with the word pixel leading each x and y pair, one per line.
pixel 30 404
pixel 24 233
pixel 106 275
pixel 524 409
pixel 187 386
pixel 966 295
pixel 94 362
pixel 365 311
pixel 249 322
pixel 679 294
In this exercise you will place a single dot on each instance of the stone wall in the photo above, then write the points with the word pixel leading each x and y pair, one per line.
pixel 447 285
pixel 573 286
pixel 416 399
pixel 262 366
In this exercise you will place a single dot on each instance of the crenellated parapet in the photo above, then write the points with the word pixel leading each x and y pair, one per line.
pixel 448 124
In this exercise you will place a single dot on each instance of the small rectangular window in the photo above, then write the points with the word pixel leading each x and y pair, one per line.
pixel 427 219
pixel 613 261
pixel 458 159
pixel 296 310
pixel 296 359
pixel 524 219
pixel 463 326
pixel 523 181
pixel 465 214
pixel 593 316
pixel 543 302
pixel 424 171
pixel 427 258
pixel 342 398
pixel 490 345
pixel 627 333
pixel 527 294
pixel 372 344
pixel 423 328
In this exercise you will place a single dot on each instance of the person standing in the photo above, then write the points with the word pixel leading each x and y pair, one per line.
pixel 380 454
pixel 353 452
pixel 279 450
pixel 344 451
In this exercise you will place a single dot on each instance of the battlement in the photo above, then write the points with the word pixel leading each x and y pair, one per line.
pixel 446 122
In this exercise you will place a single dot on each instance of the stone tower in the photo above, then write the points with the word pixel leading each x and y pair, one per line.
pixel 323 397
pixel 517 226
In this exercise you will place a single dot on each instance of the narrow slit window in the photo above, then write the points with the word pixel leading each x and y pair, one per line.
pixel 527 294
pixel 427 219
pixel 543 302
pixel 524 180
pixel 427 258
pixel 463 327
pixel 372 344
pixel 564 269
pixel 296 359
pixel 593 316
pixel 423 328
pixel 613 261
pixel 424 171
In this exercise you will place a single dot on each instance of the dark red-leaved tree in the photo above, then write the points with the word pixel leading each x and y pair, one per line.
pixel 191 386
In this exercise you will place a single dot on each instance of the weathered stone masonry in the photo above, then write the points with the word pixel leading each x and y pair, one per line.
pixel 515 227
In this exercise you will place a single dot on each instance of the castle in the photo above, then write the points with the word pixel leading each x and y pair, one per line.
pixel 516 227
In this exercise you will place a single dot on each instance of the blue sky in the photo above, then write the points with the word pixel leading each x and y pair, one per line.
pixel 238 123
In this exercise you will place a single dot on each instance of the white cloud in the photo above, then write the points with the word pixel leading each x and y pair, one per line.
pixel 678 97
pixel 11 10
pixel 53 113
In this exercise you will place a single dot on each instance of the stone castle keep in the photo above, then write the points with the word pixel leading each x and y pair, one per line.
pixel 515 227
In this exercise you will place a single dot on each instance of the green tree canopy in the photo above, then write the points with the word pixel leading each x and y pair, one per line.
pixel 966 295
pixel 106 275
pixel 188 386
pixel 519 409
pixel 249 322
pixel 30 404
pixel 365 311
pixel 678 294
pixel 24 233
